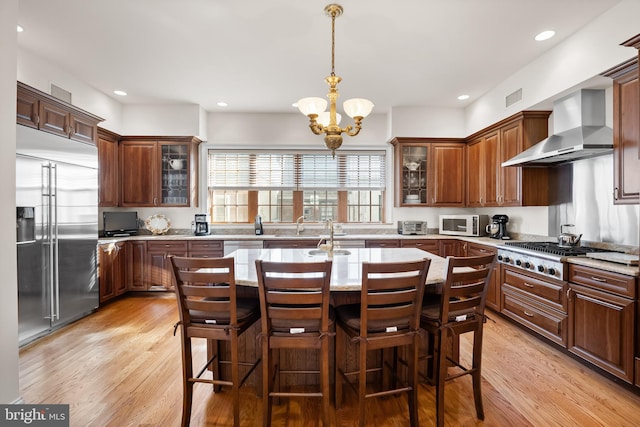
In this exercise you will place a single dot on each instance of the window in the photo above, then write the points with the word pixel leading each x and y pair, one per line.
pixel 282 186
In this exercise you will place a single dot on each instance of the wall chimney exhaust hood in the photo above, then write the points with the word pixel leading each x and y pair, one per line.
pixel 580 132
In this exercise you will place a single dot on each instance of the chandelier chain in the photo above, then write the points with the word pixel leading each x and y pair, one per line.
pixel 333 43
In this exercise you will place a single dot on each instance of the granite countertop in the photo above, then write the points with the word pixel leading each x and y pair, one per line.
pixel 605 265
pixel 346 272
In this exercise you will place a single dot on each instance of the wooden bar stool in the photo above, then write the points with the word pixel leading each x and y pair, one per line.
pixel 388 317
pixel 294 301
pixel 209 308
pixel 459 310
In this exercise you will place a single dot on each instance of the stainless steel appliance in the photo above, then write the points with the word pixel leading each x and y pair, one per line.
pixel 546 259
pixel 201 226
pixel 497 229
pixel 57 231
pixel 412 227
pixel 463 225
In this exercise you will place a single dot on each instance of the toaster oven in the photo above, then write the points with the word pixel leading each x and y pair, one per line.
pixel 412 227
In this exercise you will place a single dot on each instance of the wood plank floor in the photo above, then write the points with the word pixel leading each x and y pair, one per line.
pixel 121 367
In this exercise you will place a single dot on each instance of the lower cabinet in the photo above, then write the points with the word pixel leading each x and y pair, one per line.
pixel 137 265
pixel 382 243
pixel 493 293
pixel 206 248
pixel 112 271
pixel 429 245
pixel 540 305
pixel 158 266
pixel 602 309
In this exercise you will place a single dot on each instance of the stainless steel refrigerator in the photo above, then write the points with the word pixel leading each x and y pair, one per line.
pixel 56 231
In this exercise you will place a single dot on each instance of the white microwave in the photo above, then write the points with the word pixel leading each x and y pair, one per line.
pixel 463 225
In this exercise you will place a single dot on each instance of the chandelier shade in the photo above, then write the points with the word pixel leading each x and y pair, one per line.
pixel 327 122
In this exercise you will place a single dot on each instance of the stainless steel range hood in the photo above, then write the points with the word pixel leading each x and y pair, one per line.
pixel 579 132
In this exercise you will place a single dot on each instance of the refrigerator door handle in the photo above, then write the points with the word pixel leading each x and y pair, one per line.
pixel 56 283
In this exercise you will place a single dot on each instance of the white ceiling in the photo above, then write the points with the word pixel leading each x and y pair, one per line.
pixel 263 55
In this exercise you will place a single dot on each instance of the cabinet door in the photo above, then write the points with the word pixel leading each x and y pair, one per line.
pixel 510 179
pixel 136 266
pixel 382 243
pixel 54 119
pixel 27 109
pixel 174 177
pixel 493 293
pixel 449 248
pixel 602 329
pixel 82 129
pixel 206 248
pixel 106 276
pixel 448 177
pixel 491 171
pixel 108 172
pixel 475 177
pixel 138 173
pixel 626 127
pixel 413 180
pixel 158 265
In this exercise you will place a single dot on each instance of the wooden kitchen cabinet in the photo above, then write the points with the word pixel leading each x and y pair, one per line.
pixel 626 133
pixel 42 111
pixel 493 293
pixel 490 184
pixel 429 245
pixel 206 248
pixel 602 308
pixel 429 172
pixel 137 265
pixel 382 243
pixel 160 276
pixel 539 305
pixel 107 168
pixel 291 243
pixel 158 171
pixel 450 247
pixel 112 272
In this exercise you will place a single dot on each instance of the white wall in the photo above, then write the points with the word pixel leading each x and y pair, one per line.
pixel 9 391
pixel 587 53
pixel 40 74
pixel 163 119
pixel 427 121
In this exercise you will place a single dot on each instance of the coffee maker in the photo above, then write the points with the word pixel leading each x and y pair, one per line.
pixel 497 229
pixel 201 225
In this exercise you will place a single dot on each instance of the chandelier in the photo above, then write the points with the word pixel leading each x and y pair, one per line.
pixel 327 122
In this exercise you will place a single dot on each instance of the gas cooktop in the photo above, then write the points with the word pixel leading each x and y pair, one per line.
pixel 554 249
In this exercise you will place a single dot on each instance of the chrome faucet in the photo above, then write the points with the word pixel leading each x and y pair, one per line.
pixel 329 224
pixel 299 226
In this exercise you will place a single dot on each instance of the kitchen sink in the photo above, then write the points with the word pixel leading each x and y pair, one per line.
pixel 323 252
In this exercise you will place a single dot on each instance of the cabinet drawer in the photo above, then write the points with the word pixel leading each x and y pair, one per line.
pixel 169 246
pixel 206 245
pixel 548 323
pixel 474 249
pixel 290 243
pixel 548 293
pixel 607 281
pixel 428 245
pixel 382 243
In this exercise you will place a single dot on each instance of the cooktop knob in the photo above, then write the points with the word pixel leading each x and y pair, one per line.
pixel 552 271
pixel 541 268
pixel 500 257
pixel 527 264
pixel 518 263
pixel 507 259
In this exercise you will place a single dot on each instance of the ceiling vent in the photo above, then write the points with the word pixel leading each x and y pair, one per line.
pixel 60 93
pixel 514 97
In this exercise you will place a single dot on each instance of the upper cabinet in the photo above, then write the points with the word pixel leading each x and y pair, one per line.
pixel 158 171
pixel 107 168
pixel 490 184
pixel 41 111
pixel 626 126
pixel 429 172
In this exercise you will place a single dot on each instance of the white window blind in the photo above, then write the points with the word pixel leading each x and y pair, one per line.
pixel 308 170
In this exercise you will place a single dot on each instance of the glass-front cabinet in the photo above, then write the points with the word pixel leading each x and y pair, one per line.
pixel 175 174
pixel 429 172
pixel 161 172
pixel 414 174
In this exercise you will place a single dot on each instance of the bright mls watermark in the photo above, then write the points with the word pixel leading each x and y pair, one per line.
pixel 34 415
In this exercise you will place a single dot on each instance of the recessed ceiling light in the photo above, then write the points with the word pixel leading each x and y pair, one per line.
pixel 120 92
pixel 545 35
pixel 19 29
pixel 463 97
pixel 222 104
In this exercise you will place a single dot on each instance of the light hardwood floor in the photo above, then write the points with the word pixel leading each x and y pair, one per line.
pixel 121 367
